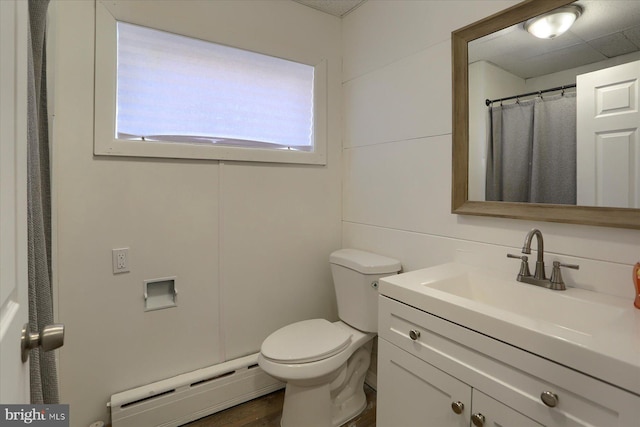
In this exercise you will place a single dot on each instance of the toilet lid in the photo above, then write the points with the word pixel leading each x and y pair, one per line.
pixel 306 341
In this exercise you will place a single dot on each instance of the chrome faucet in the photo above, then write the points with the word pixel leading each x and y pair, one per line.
pixel 539 277
pixel 526 249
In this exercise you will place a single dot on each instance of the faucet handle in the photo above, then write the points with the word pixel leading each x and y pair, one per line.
pixel 524 265
pixel 556 276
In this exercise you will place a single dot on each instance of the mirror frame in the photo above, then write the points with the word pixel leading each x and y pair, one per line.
pixel 460 203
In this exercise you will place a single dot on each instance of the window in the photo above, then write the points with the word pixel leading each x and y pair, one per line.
pixel 160 94
pixel 176 88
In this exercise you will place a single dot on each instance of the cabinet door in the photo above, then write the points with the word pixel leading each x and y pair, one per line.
pixel 413 393
pixel 495 414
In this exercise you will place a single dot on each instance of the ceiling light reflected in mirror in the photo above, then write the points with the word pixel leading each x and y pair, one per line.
pixel 554 23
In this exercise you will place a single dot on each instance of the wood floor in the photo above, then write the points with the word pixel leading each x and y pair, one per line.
pixel 267 410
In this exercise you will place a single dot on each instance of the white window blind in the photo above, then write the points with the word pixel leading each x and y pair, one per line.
pixel 174 88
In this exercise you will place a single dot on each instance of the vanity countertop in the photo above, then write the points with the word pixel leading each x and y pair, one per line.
pixel 593 333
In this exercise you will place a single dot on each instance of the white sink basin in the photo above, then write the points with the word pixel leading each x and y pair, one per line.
pixel 594 333
pixel 562 309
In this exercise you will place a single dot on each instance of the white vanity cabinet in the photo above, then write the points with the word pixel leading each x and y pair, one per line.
pixel 414 393
pixel 430 368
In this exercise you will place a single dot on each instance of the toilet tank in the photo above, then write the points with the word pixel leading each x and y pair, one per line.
pixel 355 277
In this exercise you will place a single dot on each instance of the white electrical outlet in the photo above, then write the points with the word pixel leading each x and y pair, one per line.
pixel 120 260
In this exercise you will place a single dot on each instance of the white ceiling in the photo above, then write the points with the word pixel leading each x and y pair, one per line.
pixel 606 29
pixel 337 8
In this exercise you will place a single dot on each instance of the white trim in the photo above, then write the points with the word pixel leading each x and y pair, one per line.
pixel 105 142
pixel 181 399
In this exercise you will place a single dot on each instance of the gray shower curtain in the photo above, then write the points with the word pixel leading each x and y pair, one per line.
pixel 508 164
pixel 44 378
pixel 532 151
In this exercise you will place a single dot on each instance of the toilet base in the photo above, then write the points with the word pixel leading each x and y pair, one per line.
pixel 349 399
pixel 330 404
pixel 306 406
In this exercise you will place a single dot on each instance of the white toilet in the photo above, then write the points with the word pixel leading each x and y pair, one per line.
pixel 324 363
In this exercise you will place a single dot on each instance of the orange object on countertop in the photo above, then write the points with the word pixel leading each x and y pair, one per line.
pixel 636 281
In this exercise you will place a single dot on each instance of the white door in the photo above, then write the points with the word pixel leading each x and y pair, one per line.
pixel 14 387
pixel 608 150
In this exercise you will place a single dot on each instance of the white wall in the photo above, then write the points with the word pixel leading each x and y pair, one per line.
pixel 249 243
pixel 397 154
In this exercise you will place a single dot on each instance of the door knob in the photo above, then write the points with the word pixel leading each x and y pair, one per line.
pixel 50 338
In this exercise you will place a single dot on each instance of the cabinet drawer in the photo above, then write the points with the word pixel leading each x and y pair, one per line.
pixel 508 374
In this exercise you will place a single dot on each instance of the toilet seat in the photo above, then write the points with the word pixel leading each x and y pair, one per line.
pixel 305 341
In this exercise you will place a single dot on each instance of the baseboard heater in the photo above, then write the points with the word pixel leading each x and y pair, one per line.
pixel 187 397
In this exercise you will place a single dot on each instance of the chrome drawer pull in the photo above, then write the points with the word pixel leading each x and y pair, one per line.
pixel 414 334
pixel 477 419
pixel 457 407
pixel 549 398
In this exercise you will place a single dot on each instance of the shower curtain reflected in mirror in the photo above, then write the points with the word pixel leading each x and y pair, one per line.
pixel 532 151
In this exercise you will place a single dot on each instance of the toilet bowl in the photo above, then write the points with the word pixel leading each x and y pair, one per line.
pixel 324 380
pixel 322 363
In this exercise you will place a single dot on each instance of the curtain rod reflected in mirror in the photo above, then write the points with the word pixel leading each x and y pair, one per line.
pixel 589 215
pixel 562 88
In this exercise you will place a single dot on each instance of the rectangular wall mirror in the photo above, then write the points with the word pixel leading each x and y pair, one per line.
pixel 547 128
